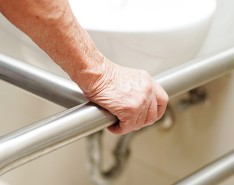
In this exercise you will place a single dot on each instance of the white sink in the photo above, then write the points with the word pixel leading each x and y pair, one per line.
pixel 149 34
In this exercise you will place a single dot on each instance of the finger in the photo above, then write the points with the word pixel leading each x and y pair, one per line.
pixel 125 125
pixel 117 129
pixel 141 119
pixel 152 114
pixel 162 100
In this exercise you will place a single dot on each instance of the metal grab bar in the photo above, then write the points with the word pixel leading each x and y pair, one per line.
pixel 212 173
pixel 40 82
pixel 52 133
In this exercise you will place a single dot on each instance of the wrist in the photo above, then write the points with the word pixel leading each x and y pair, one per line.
pixel 92 75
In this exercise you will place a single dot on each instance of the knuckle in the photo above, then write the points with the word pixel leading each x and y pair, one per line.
pixel 162 95
pixel 143 101
pixel 152 115
pixel 152 118
pixel 149 87
pixel 145 73
pixel 131 107
pixel 165 98
pixel 135 106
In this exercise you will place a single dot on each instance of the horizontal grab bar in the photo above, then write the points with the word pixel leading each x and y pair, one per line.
pixel 59 130
pixel 212 173
pixel 49 86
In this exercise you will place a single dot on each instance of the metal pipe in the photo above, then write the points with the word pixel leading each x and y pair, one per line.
pixel 120 154
pixel 52 133
pixel 49 86
pixel 28 75
pixel 212 173
pixel 196 72
pixel 95 158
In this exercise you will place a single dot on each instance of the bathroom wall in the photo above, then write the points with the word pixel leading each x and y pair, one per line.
pixel 199 135
pixel 19 108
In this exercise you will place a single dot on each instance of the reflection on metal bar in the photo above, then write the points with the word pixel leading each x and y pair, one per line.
pixel 213 173
pixel 197 72
pixel 52 133
pixel 40 82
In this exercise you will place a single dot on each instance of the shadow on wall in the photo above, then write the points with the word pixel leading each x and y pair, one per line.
pixel 198 135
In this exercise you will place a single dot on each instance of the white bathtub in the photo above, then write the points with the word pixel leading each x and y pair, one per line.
pixel 201 133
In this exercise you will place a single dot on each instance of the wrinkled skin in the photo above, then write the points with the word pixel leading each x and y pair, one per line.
pixel 131 95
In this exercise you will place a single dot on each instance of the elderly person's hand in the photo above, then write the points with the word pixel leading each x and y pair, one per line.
pixel 129 94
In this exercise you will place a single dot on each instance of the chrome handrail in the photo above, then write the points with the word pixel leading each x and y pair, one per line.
pixel 213 173
pixel 61 129
pixel 49 86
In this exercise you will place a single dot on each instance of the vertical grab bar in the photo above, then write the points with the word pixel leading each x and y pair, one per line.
pixel 59 130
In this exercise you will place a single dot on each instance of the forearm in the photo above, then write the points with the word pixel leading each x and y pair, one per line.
pixel 129 94
pixel 51 24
